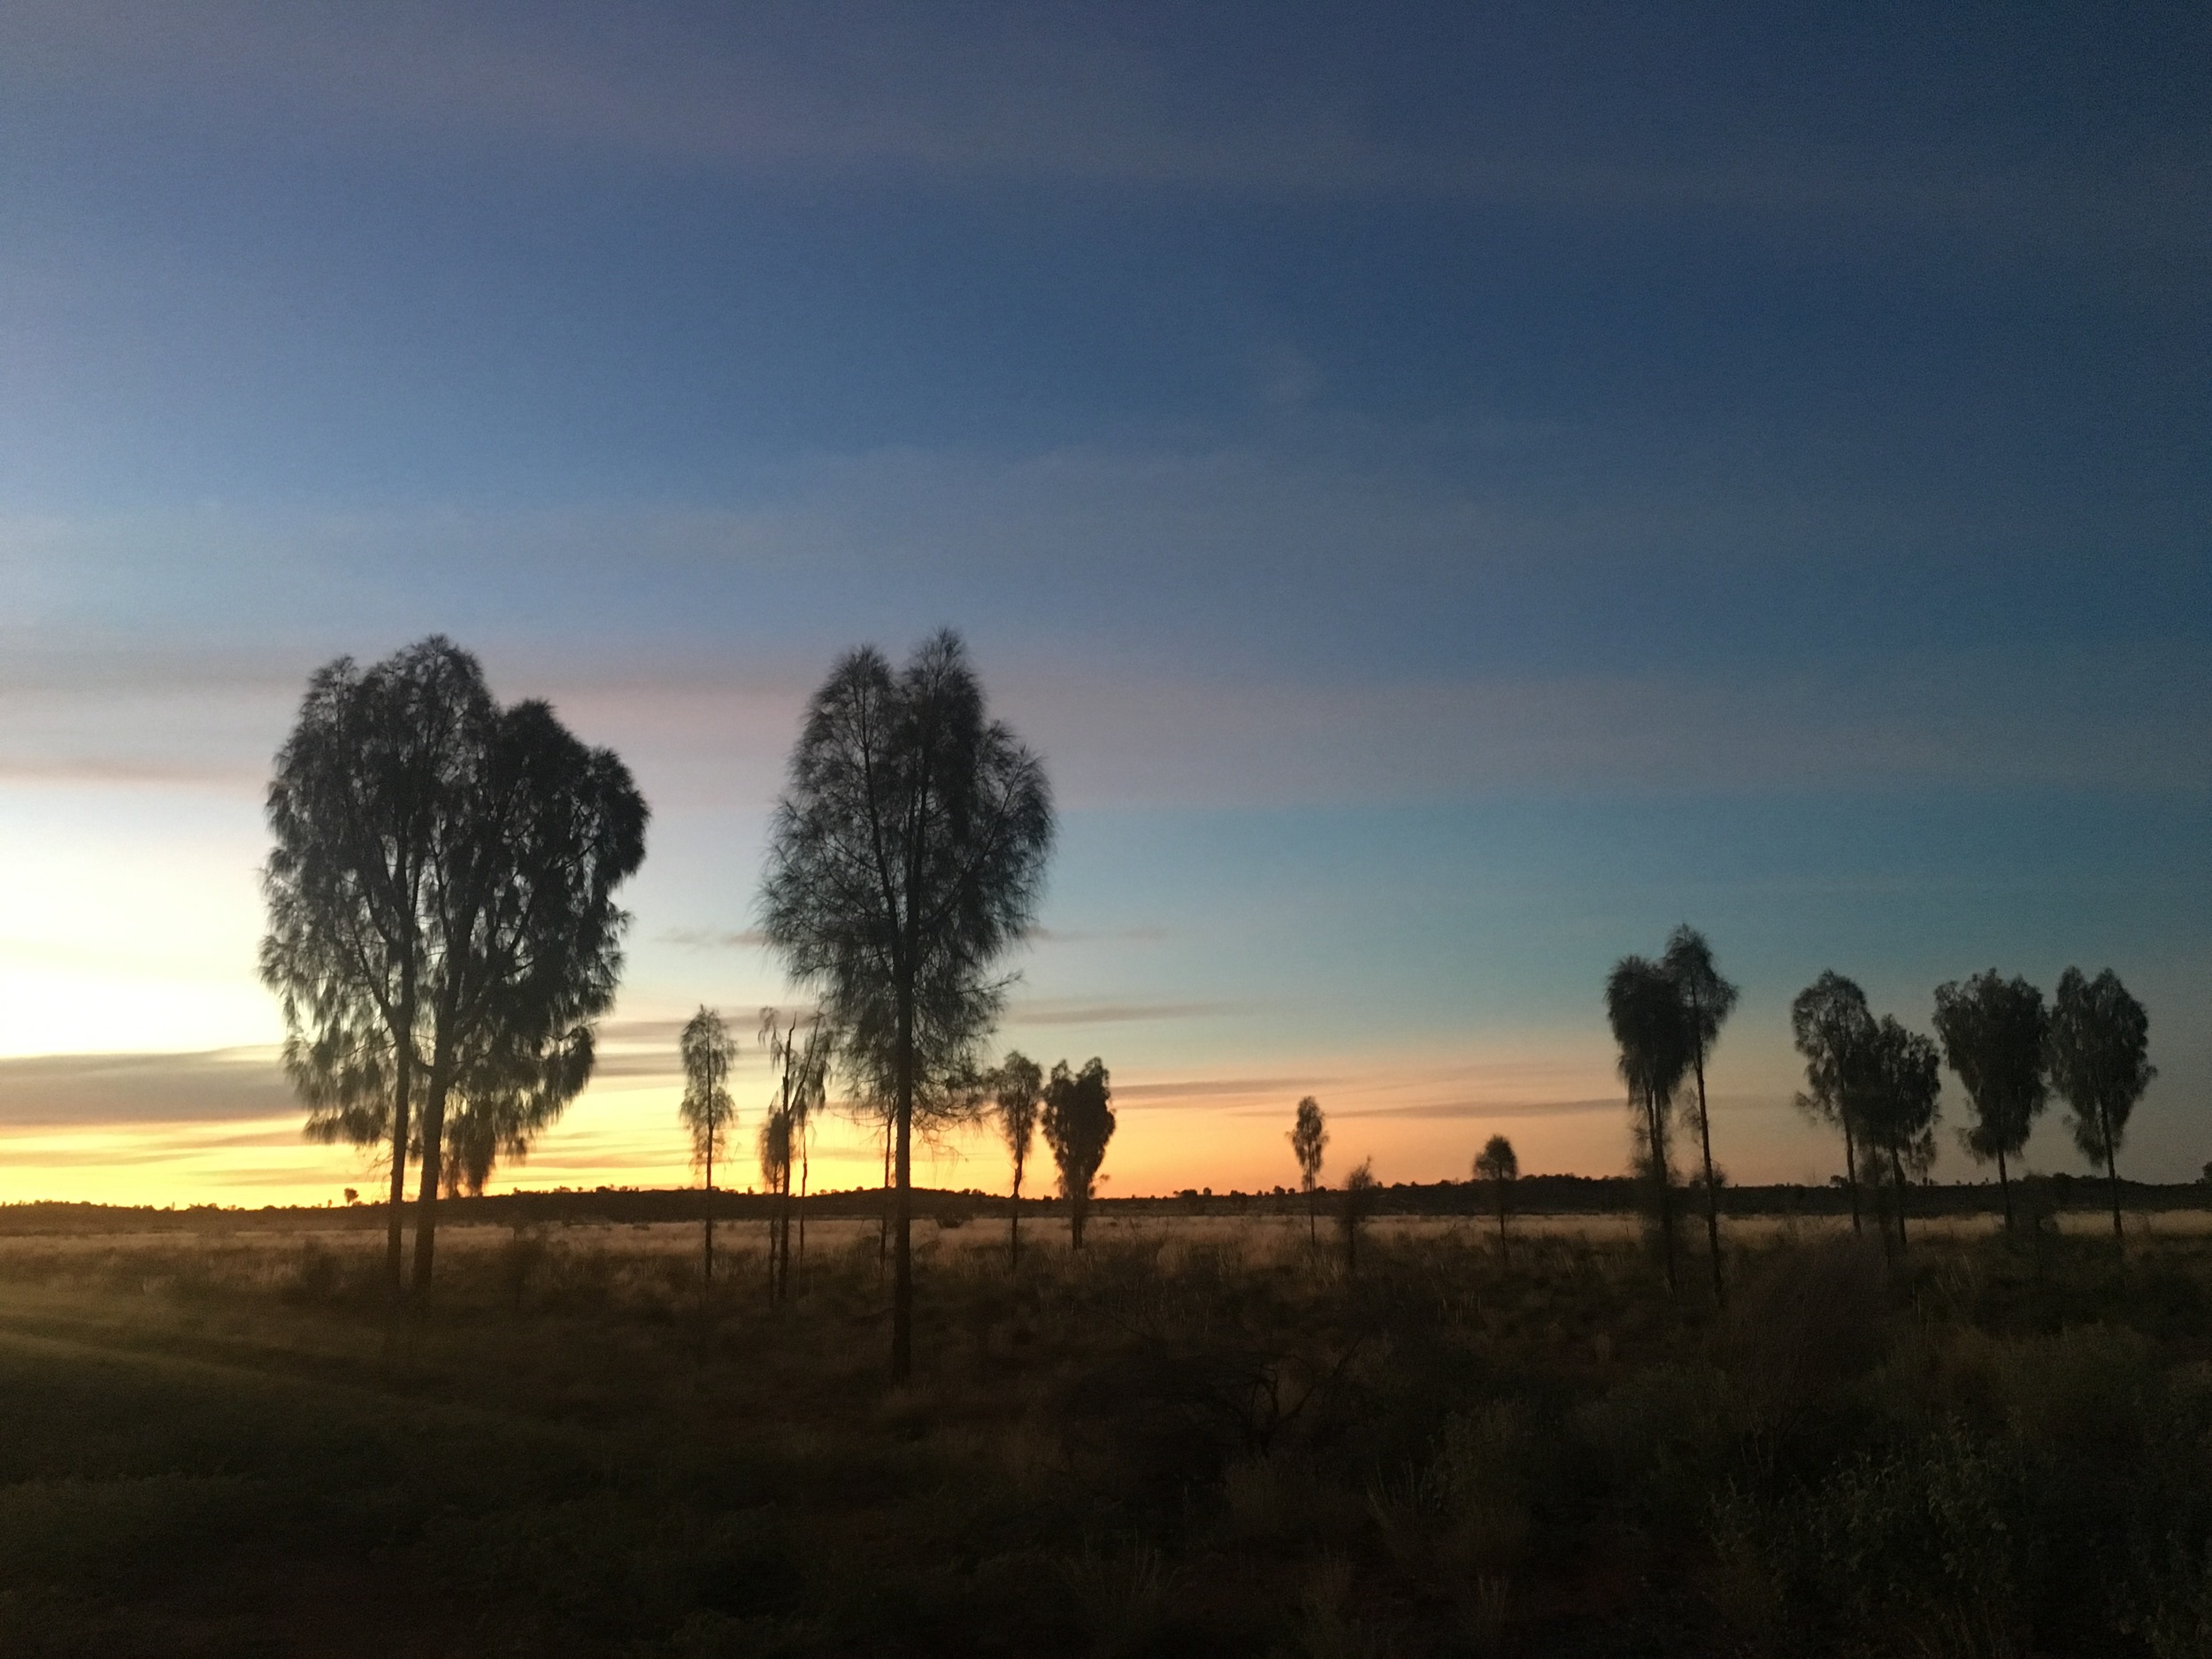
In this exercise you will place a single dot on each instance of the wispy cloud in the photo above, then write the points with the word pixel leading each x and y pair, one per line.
pixel 1212 1090
pixel 714 938
pixel 1707 713
pixel 1008 94
pixel 1478 1109
pixel 1075 1011
pixel 86 1089
pixel 101 771
pixel 1098 936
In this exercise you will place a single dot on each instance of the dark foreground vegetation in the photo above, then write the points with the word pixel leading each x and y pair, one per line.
pixel 1198 1436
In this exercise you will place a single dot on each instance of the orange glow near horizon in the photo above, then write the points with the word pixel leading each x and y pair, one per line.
pixel 1417 1122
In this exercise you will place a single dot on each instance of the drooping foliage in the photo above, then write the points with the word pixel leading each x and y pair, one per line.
pixel 2099 1061
pixel 1018 1089
pixel 1708 1000
pixel 1498 1166
pixel 1832 1024
pixel 1896 1078
pixel 1653 1031
pixel 442 923
pixel 1993 1031
pixel 775 1138
pixel 1079 1121
pixel 375 766
pixel 1309 1141
pixel 799 1090
pixel 707 1110
pixel 906 858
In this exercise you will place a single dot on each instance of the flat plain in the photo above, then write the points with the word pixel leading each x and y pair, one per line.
pixel 1199 1434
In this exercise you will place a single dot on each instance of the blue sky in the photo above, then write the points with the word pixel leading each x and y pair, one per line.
pixel 1451 491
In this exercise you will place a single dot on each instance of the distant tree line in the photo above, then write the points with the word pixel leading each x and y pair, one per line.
pixel 1878 1084
pixel 443 937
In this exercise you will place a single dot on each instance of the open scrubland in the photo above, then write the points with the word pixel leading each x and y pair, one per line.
pixel 1200 1434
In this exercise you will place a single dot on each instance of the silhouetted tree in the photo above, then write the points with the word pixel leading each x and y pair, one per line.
pixel 2099 1061
pixel 1896 1077
pixel 375 766
pixel 1309 1140
pixel 775 1174
pixel 1831 1025
pixel 1498 1166
pixel 809 1098
pixel 442 923
pixel 1993 1031
pixel 707 1110
pixel 1644 1005
pixel 1079 1121
pixel 779 1133
pixel 1707 1000
pixel 906 857
pixel 881 1114
pixel 1018 1088
pixel 801 1065
pixel 1360 1188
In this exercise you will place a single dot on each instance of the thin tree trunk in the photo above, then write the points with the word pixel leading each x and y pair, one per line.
pixel 1712 1193
pixel 803 1171
pixel 903 1247
pixel 1313 1216
pixel 1655 1127
pixel 432 1170
pixel 883 1217
pixel 1897 1169
pixel 783 1171
pixel 2112 1180
pixel 1077 1203
pixel 1014 1226
pixel 1851 1175
pixel 402 1081
pixel 2004 1186
pixel 709 1277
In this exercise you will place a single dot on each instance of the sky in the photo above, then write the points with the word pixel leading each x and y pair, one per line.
pixel 1449 492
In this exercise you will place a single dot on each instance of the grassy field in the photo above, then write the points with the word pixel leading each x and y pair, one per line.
pixel 1203 1435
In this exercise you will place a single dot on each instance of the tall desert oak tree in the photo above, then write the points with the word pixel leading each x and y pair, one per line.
pixel 1498 1166
pixel 1832 1025
pixel 800 1089
pixel 2100 1057
pixel 707 1110
pixel 1994 1032
pixel 1018 1089
pixel 1644 1009
pixel 906 858
pixel 1309 1141
pixel 1707 1002
pixel 441 922
pixel 1895 1077
pixel 1079 1121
